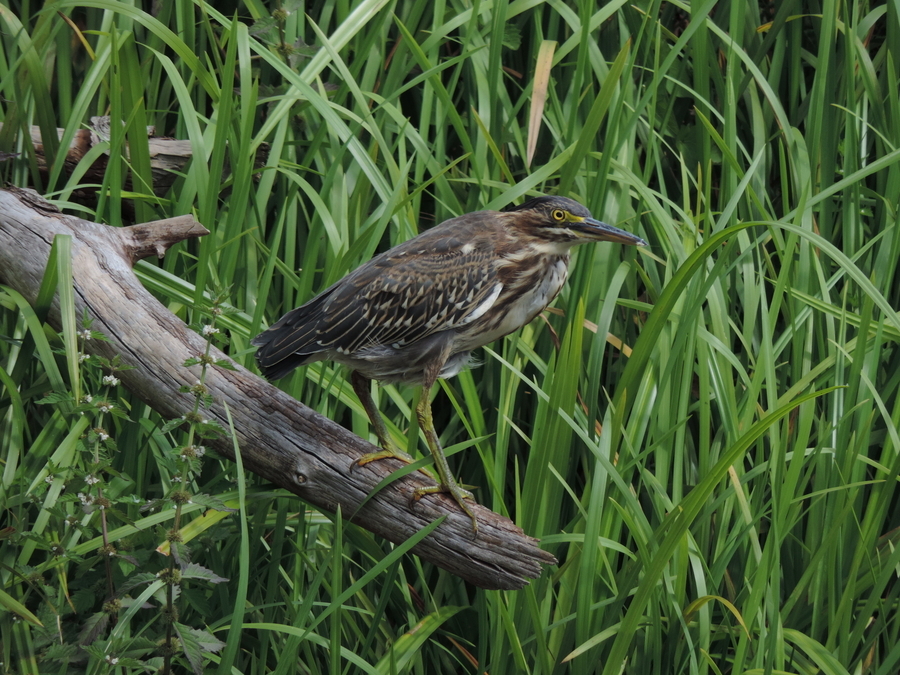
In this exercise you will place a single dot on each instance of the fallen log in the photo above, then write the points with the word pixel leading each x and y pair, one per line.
pixel 169 157
pixel 280 439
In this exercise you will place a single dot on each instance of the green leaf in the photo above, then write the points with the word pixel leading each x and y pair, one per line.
pixel 10 604
pixel 195 571
pixel 211 502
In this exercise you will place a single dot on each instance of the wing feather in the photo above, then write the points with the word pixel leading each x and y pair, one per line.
pixel 438 281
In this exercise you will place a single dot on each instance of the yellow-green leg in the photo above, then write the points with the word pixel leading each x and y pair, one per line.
pixel 362 387
pixel 445 477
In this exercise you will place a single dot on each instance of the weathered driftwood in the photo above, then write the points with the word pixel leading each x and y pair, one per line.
pixel 280 439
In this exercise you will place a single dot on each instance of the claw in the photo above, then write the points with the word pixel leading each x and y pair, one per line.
pixel 387 454
pixel 362 460
pixel 454 490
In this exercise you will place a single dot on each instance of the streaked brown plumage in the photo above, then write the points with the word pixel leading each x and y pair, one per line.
pixel 415 312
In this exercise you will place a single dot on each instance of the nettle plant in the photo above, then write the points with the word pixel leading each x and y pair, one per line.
pixel 109 608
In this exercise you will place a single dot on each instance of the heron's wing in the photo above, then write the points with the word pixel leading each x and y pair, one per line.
pixel 440 280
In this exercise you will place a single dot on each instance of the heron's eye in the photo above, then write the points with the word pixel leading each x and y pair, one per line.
pixel 558 214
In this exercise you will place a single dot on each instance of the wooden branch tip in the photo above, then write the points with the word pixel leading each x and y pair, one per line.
pixel 156 237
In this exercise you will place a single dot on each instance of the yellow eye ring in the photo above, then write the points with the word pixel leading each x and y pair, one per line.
pixel 558 214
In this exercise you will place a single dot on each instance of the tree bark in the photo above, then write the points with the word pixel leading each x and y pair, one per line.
pixel 280 439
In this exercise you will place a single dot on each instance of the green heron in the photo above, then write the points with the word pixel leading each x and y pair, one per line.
pixel 416 312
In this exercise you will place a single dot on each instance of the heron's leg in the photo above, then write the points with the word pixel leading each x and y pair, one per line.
pixel 447 481
pixel 362 387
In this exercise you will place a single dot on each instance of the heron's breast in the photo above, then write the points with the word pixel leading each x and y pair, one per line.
pixel 523 297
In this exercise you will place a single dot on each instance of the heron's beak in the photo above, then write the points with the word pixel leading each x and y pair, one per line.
pixel 597 231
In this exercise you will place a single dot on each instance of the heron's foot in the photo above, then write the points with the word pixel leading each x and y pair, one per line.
pixel 458 493
pixel 391 453
pixel 382 454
